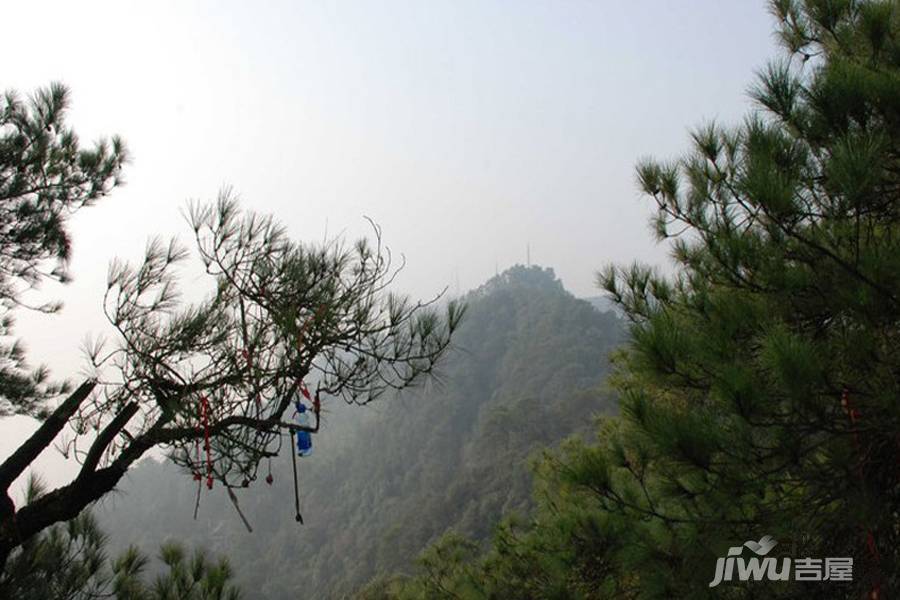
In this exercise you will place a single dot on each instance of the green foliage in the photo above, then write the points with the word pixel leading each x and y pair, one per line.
pixel 281 311
pixel 194 577
pixel 45 177
pixel 759 390
pixel 69 562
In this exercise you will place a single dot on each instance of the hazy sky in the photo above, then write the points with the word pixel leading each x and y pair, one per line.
pixel 466 129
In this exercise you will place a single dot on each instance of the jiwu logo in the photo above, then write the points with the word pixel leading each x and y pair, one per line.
pixel 754 568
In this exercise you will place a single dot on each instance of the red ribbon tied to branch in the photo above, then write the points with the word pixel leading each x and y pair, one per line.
pixel 204 421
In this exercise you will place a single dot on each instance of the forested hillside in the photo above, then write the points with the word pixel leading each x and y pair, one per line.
pixel 388 479
pixel 759 388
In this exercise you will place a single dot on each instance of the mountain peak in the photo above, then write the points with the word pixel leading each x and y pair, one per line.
pixel 518 277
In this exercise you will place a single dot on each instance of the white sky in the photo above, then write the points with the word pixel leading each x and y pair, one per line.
pixel 467 129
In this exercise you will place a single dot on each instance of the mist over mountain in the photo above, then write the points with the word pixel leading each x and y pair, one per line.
pixel 389 478
pixel 603 304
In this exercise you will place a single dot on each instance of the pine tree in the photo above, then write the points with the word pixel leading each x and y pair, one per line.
pixel 760 392
pixel 70 562
pixel 208 382
pixel 45 177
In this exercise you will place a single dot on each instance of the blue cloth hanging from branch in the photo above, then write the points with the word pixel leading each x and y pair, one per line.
pixel 304 438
